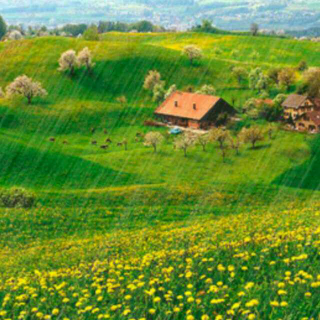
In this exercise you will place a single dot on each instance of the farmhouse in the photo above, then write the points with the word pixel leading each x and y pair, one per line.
pixel 304 112
pixel 296 105
pixel 193 110
pixel 309 121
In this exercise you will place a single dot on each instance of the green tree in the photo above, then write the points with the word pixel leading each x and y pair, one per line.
pixel 3 27
pixel 159 92
pixel 222 137
pixel 240 74
pixel 258 80
pixel 143 26
pixel 252 135
pixel 273 74
pixel 91 34
pixel 286 77
pixel 312 82
pixel 192 52
pixel 302 66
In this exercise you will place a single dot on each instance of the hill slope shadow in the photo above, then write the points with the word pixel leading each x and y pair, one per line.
pixel 32 168
pixel 305 175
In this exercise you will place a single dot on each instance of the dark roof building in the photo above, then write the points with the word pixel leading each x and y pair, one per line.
pixel 294 101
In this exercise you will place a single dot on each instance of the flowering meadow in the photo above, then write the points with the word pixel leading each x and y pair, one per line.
pixel 246 266
pixel 130 234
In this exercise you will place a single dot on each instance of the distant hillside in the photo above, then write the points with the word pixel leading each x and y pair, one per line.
pixel 178 14
pixel 311 32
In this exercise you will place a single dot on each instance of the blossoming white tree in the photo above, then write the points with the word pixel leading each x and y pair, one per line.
pixel 184 142
pixel 26 87
pixel 68 61
pixel 85 59
pixel 192 52
pixel 207 89
pixel 153 139
pixel 152 79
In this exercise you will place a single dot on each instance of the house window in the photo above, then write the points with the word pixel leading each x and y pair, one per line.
pixel 194 106
pixel 176 103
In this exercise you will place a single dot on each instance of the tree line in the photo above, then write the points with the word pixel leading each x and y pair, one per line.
pixel 224 139
pixel 89 31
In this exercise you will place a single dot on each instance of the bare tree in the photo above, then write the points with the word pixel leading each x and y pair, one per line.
pixel 235 144
pixel 153 139
pixel 68 61
pixel 192 52
pixel 125 144
pixel 184 142
pixel 252 135
pixel 26 87
pixel 254 29
pixel 85 59
pixel 203 140
pixel 222 137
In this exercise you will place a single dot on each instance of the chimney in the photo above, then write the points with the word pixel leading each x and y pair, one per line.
pixel 194 106
pixel 176 103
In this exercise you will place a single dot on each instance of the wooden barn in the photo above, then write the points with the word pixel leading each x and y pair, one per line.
pixel 193 110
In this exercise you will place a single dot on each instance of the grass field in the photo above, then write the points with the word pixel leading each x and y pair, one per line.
pixel 129 234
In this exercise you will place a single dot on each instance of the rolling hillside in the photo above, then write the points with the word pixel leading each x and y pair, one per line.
pixel 116 230
pixel 76 105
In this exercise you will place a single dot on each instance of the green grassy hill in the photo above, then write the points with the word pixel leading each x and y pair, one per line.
pixel 75 105
pixel 122 215
pixel 79 174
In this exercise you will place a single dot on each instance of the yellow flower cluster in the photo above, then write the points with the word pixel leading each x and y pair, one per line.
pixel 246 266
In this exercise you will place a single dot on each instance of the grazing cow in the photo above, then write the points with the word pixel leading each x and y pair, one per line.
pixel 65 142
pixel 93 130
pixel 94 142
pixel 108 140
pixel 104 147
pixel 119 144
pixel 105 131
pixel 52 139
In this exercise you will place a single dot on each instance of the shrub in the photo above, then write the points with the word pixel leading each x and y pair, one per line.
pixel 17 198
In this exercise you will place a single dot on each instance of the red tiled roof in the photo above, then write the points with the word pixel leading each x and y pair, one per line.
pixel 186 101
pixel 265 101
